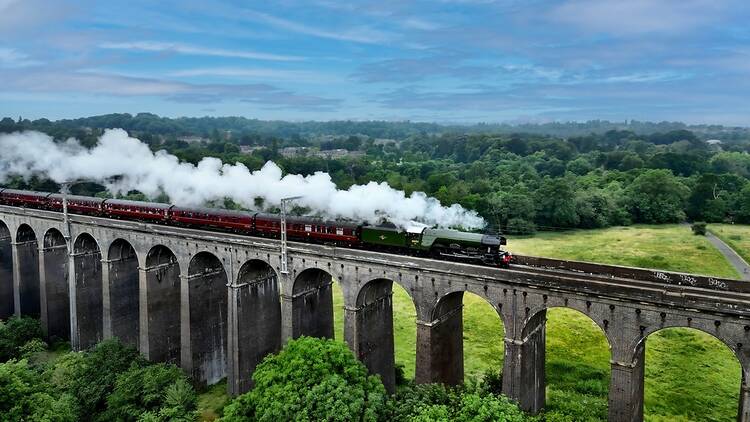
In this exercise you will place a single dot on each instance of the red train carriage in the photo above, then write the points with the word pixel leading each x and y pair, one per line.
pixel 235 221
pixel 24 198
pixel 336 232
pixel 136 210
pixel 76 204
pixel 309 229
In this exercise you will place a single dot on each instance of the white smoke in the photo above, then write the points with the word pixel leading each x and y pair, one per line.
pixel 137 168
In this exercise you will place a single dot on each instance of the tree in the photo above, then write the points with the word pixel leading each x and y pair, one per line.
pixel 15 333
pixel 743 213
pixel 580 166
pixel 151 389
pixel 26 395
pixel 90 376
pixel 657 196
pixel 555 204
pixel 311 379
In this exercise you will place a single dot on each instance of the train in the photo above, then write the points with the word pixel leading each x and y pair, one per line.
pixel 444 244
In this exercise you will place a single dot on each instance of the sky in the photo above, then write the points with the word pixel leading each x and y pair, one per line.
pixel 446 61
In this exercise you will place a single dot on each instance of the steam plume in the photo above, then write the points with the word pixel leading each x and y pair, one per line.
pixel 33 153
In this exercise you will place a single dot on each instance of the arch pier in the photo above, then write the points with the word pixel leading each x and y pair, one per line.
pixel 440 351
pixel 55 288
pixel 26 272
pixel 160 306
pixel 216 303
pixel 7 307
pixel 121 293
pixel 254 320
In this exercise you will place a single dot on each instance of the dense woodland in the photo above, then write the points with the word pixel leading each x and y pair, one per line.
pixel 520 182
pixel 308 380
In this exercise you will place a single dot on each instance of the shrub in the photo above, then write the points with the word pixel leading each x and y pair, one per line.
pixel 31 348
pixel 311 379
pixel 15 333
pixel 26 395
pixel 520 226
pixel 156 392
pixel 435 402
pixel 699 228
pixel 90 376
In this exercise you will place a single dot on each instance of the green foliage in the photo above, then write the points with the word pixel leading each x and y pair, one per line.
pixel 657 196
pixel 159 390
pixel 90 376
pixel 699 228
pixel 25 395
pixel 310 379
pixel 585 178
pixel 435 402
pixel 520 226
pixel 555 204
pixel 15 333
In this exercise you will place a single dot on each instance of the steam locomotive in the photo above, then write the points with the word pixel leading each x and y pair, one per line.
pixel 435 243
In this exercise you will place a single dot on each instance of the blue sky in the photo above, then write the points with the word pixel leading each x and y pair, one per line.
pixel 438 60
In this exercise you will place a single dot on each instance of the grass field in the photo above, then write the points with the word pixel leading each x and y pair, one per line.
pixel 667 247
pixel 690 376
pixel 736 235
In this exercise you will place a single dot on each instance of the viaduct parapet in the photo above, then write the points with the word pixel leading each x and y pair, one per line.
pixel 216 303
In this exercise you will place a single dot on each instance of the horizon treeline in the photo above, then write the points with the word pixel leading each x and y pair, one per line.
pixel 519 182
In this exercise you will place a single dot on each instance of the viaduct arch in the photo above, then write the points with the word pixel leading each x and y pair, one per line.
pixel 217 303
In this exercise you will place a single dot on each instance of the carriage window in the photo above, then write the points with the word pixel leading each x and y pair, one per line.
pixel 339 231
pixel 308 228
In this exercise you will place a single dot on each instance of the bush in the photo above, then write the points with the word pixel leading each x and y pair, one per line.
pixel 311 379
pixel 435 402
pixel 156 392
pixel 520 226
pixel 699 228
pixel 90 376
pixel 26 395
pixel 15 333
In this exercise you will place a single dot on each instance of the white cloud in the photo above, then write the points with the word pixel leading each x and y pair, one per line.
pixel 10 57
pixel 363 35
pixel 166 47
pixel 254 73
pixel 633 17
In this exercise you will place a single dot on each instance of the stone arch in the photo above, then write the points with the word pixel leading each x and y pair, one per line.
pixel 27 250
pixel 87 264
pixel 540 351
pixel 709 358
pixel 56 303
pixel 258 328
pixel 459 324
pixel 160 325
pixel 373 330
pixel 7 307
pixel 312 304
pixel 207 296
pixel 124 293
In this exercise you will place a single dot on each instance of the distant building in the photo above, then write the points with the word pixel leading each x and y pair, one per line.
pixel 714 142
pixel 333 154
pixel 248 149
pixel 289 152
pixel 192 139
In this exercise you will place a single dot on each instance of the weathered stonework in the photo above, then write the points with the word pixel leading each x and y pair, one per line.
pixel 216 303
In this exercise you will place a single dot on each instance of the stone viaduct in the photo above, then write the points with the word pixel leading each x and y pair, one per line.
pixel 216 303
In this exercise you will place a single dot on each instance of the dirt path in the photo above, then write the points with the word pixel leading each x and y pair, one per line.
pixel 737 262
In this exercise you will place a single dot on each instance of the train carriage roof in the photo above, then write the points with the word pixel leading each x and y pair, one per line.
pixel 77 198
pixel 129 203
pixel 309 220
pixel 25 192
pixel 216 211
